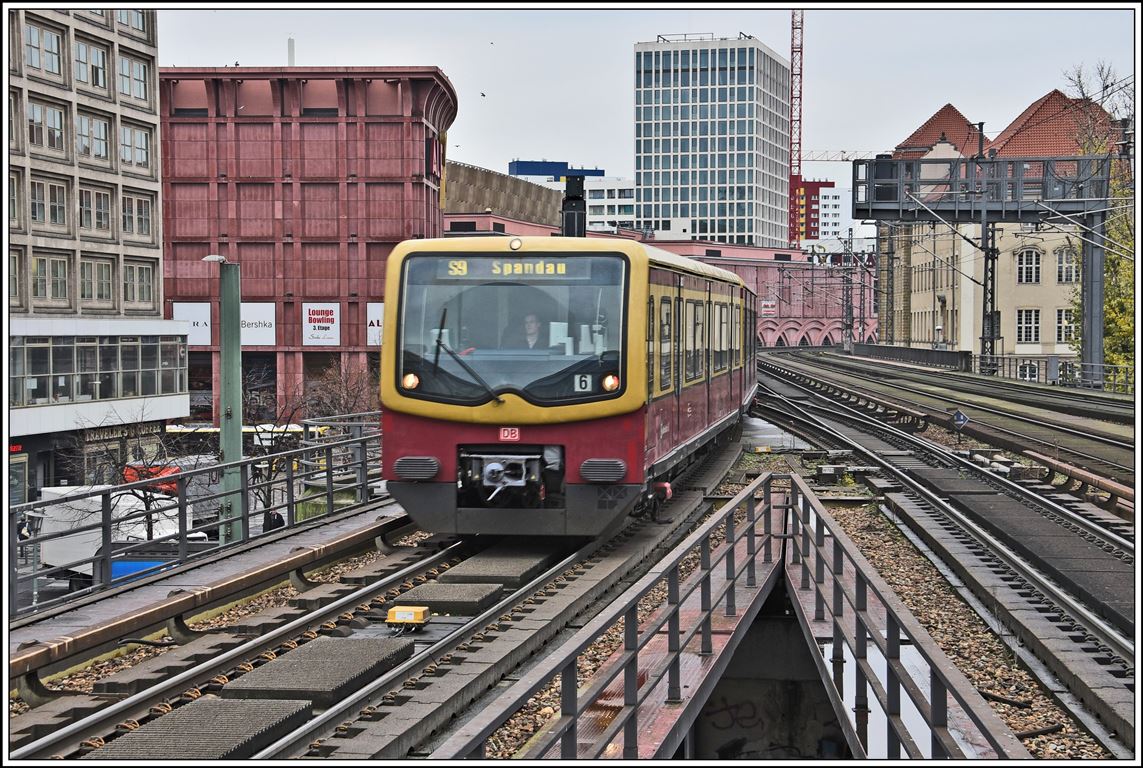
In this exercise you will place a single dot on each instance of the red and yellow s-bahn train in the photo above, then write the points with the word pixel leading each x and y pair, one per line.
pixel 552 385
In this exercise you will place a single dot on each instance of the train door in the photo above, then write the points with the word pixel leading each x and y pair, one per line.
pixel 708 354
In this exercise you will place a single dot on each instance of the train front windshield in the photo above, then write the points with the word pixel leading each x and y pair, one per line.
pixel 546 326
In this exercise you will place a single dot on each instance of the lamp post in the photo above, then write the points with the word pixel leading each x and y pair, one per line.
pixel 230 401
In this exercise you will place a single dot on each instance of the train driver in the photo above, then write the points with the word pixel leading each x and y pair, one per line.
pixel 532 335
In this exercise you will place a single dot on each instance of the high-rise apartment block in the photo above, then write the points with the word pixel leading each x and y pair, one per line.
pixel 712 139
pixel 94 370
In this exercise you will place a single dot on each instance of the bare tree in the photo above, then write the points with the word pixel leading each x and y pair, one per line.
pixel 344 388
pixel 1105 114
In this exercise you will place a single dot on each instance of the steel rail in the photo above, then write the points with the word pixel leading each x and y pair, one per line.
pixel 102 719
pixel 1113 638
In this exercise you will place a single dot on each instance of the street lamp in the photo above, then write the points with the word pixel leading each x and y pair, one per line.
pixel 230 401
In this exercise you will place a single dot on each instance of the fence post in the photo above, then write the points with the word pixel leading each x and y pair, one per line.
pixel 631 683
pixel 767 520
pixel 892 687
pixel 674 686
pixel 105 577
pixel 704 565
pixel 184 549
pixel 568 742
pixel 291 516
pixel 244 530
pixel 731 609
pixel 328 481
pixel 750 545
pixel 359 460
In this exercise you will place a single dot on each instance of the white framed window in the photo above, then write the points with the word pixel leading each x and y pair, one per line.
pixel 91 137
pixel 50 278
pixel 1027 326
pixel 90 65
pixel 38 202
pixel 15 275
pixel 42 49
pixel 1028 266
pixel 133 19
pixel 57 204
pixel 1028 371
pixel 14 120
pixel 1065 326
pixel 136 215
pixel 1067 265
pixel 14 189
pixel 138 283
pixel 95 280
pixel 45 126
pixel 48 203
pixel 95 210
pixel 134 146
pixel 133 78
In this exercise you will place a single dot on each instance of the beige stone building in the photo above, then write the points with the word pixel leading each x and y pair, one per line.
pixel 938 269
pixel 94 369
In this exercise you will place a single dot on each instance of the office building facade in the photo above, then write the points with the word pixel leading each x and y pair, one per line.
pixel 307 177
pixel 94 370
pixel 712 140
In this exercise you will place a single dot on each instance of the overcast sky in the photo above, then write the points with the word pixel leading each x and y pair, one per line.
pixel 557 83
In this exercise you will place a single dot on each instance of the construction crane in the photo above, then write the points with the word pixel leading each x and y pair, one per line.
pixel 840 155
pixel 794 230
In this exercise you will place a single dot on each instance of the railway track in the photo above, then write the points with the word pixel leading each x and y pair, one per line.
pixel 500 628
pixel 1021 564
pixel 1099 447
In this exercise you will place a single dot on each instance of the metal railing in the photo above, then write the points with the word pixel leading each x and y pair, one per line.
pixel 1062 372
pixel 92 540
pixel 871 626
pixel 644 673
pixel 713 594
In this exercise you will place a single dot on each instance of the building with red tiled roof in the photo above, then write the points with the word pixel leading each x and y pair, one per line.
pixel 937 299
pixel 1056 126
pixel 946 124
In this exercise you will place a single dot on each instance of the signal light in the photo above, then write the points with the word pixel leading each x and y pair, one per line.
pixel 610 382
pixel 411 381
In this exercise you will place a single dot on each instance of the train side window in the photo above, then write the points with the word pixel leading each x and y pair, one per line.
pixel 735 334
pixel 689 339
pixel 695 339
pixel 650 344
pixel 665 351
pixel 721 337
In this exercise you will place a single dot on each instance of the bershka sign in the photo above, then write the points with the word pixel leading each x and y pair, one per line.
pixel 321 325
pixel 374 311
pixel 259 322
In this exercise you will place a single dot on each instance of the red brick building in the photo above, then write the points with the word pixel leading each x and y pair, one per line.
pixel 307 177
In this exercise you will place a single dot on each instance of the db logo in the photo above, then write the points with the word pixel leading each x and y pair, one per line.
pixel 509 434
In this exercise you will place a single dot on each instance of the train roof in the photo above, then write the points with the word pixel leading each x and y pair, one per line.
pixel 656 256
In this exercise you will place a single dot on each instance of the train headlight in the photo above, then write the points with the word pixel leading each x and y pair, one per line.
pixel 610 382
pixel 410 381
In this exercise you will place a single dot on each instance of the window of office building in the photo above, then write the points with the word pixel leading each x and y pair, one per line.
pixel 1027 326
pixel 1028 266
pixel 136 215
pixel 134 146
pixel 90 65
pixel 92 135
pixel 42 49
pixel 138 283
pixel 1065 326
pixel 95 210
pixel 95 281
pixel 45 126
pixel 133 78
pixel 1067 265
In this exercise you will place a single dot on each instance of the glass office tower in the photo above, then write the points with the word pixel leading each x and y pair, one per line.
pixel 712 140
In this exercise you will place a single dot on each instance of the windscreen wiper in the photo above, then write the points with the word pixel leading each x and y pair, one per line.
pixel 476 376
